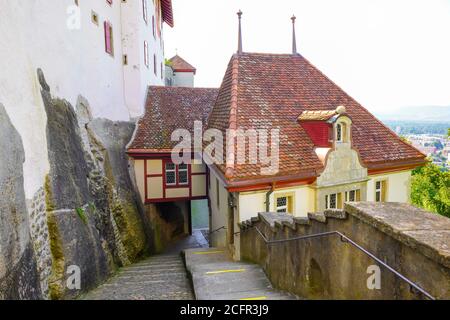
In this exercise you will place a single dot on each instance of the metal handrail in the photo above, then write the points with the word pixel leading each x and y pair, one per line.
pixel 344 238
pixel 218 229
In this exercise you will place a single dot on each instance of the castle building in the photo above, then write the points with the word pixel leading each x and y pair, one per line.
pixel 179 73
pixel 106 51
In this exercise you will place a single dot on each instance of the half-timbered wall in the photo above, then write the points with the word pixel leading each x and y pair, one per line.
pixel 153 185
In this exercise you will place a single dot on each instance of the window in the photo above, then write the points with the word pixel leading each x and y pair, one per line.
pixel 353 195
pixel 380 191
pixel 282 204
pixel 94 17
pixel 110 2
pixel 145 10
pixel 109 46
pixel 333 201
pixel 146 62
pixel 153 27
pixel 171 178
pixel 162 70
pixel 183 174
pixel 217 193
pixel 339 132
pixel 154 64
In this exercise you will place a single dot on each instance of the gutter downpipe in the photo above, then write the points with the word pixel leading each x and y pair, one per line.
pixel 268 193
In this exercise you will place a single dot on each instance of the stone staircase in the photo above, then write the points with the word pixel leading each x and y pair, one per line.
pixel 161 277
pixel 215 276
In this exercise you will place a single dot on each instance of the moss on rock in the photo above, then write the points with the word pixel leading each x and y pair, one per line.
pixel 55 285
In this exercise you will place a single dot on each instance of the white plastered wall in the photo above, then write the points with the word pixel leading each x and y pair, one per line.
pixel 219 213
pixel 34 34
pixel 398 186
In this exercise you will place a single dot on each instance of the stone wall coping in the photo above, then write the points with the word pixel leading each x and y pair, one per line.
pixel 418 229
pixel 278 220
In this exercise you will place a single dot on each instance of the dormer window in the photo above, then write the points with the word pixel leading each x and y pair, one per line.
pixel 339 132
pixel 325 127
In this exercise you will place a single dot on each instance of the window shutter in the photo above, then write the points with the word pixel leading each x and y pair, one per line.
pixel 107 37
pixel 146 53
pixel 383 190
pixel 340 203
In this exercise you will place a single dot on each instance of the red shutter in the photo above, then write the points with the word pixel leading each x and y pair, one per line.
pixel 108 37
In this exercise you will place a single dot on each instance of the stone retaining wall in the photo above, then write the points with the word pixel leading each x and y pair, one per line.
pixel 414 242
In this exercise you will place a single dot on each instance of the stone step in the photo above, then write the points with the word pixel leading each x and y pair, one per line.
pixel 254 295
pixel 217 277
pixel 151 267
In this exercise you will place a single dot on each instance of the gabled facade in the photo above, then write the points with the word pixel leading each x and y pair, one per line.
pixel 179 73
pixel 159 179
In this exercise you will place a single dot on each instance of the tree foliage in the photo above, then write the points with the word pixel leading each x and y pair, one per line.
pixel 430 189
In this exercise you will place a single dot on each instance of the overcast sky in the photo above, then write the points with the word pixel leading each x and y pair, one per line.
pixel 385 53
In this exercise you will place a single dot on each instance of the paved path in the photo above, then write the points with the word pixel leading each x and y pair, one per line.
pixel 217 277
pixel 161 277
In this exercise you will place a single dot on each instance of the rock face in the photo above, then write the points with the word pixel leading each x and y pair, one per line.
pixel 18 272
pixel 91 213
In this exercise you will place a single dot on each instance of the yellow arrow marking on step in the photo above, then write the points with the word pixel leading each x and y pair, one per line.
pixel 225 271
pixel 255 298
pixel 207 252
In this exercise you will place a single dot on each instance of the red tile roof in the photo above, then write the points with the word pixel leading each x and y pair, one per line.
pixel 178 64
pixel 272 90
pixel 167 109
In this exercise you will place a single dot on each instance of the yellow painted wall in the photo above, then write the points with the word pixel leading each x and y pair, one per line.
pixel 198 168
pixel 398 186
pixel 154 187
pixel 177 192
pixel 154 166
pixel 251 203
pixel 198 185
pixel 139 172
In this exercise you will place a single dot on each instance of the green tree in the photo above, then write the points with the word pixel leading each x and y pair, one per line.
pixel 430 189
pixel 448 132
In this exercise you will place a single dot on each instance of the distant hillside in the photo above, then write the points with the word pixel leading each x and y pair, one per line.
pixel 417 127
pixel 423 113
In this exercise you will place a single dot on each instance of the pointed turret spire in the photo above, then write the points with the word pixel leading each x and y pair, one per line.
pixel 294 40
pixel 240 33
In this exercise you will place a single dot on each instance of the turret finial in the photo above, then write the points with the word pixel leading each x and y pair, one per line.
pixel 239 13
pixel 294 40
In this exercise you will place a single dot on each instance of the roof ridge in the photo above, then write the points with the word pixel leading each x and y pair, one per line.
pixel 232 122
